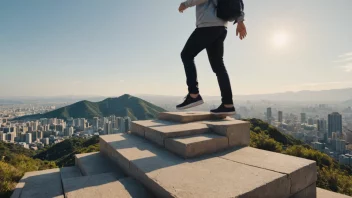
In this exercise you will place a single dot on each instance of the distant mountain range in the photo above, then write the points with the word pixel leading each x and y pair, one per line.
pixel 348 102
pixel 125 105
pixel 7 102
pixel 334 95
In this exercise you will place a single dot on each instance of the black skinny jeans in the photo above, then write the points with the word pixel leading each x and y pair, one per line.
pixel 212 39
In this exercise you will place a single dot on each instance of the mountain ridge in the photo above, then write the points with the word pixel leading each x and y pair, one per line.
pixel 125 105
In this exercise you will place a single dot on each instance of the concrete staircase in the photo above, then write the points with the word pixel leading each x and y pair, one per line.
pixel 93 176
pixel 193 154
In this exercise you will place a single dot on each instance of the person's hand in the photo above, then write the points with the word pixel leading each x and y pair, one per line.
pixel 182 7
pixel 241 30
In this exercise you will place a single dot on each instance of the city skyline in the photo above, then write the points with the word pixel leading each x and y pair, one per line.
pixel 65 48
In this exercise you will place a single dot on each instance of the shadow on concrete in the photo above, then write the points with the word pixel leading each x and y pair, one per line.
pixel 145 155
pixel 103 185
pixel 39 185
pixel 96 163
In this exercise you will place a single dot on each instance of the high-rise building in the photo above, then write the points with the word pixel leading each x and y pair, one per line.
pixel 28 138
pixel 34 135
pixel 280 116
pixel 83 124
pixel 268 114
pixel 70 131
pixel 108 128
pixel 122 126
pixel 322 125
pixel 40 134
pixel 340 145
pixel 96 123
pixel 25 129
pixel 303 118
pixel 10 136
pixel 127 124
pixel 2 136
pixel 334 123
pixel 45 141
pixel 310 121
pixel 44 121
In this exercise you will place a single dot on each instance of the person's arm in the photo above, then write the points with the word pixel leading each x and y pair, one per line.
pixel 190 3
pixel 241 30
pixel 240 18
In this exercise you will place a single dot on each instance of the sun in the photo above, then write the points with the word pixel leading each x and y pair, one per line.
pixel 280 39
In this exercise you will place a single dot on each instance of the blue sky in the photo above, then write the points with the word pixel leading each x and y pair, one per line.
pixel 111 47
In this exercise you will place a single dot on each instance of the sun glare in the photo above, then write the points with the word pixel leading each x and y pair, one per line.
pixel 280 39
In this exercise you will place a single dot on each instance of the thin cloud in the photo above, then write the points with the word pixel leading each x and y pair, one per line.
pixel 349 59
pixel 345 55
pixel 347 68
pixel 345 62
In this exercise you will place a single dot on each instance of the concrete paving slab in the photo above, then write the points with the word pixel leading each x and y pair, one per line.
pixel 196 145
pixel 70 172
pixel 41 184
pixel 170 176
pixel 236 131
pixel 185 117
pixel 95 163
pixel 301 172
pixel 322 193
pixel 104 185
pixel 160 133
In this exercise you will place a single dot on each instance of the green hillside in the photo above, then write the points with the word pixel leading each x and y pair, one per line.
pixel 63 153
pixel 14 162
pixel 126 105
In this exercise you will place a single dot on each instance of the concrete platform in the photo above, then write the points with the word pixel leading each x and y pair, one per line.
pixel 237 131
pixel 167 175
pixel 159 133
pixel 196 145
pixel 321 193
pixel 104 185
pixel 40 184
pixel 95 163
pixel 301 172
pixel 185 117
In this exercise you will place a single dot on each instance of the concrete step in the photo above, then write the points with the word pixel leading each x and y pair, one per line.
pixel 158 133
pixel 167 175
pixel 236 131
pixel 186 117
pixel 196 145
pixel 70 172
pixel 308 192
pixel 321 193
pixel 302 173
pixel 40 184
pixel 96 163
pixel 104 185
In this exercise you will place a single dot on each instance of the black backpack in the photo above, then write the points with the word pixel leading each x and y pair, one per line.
pixel 229 10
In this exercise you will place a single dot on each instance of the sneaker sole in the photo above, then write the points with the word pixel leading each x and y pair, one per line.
pixel 191 105
pixel 225 113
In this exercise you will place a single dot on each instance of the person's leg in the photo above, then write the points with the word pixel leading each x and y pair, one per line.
pixel 215 54
pixel 195 44
pixel 199 40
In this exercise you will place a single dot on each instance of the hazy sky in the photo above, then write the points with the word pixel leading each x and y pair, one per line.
pixel 111 47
